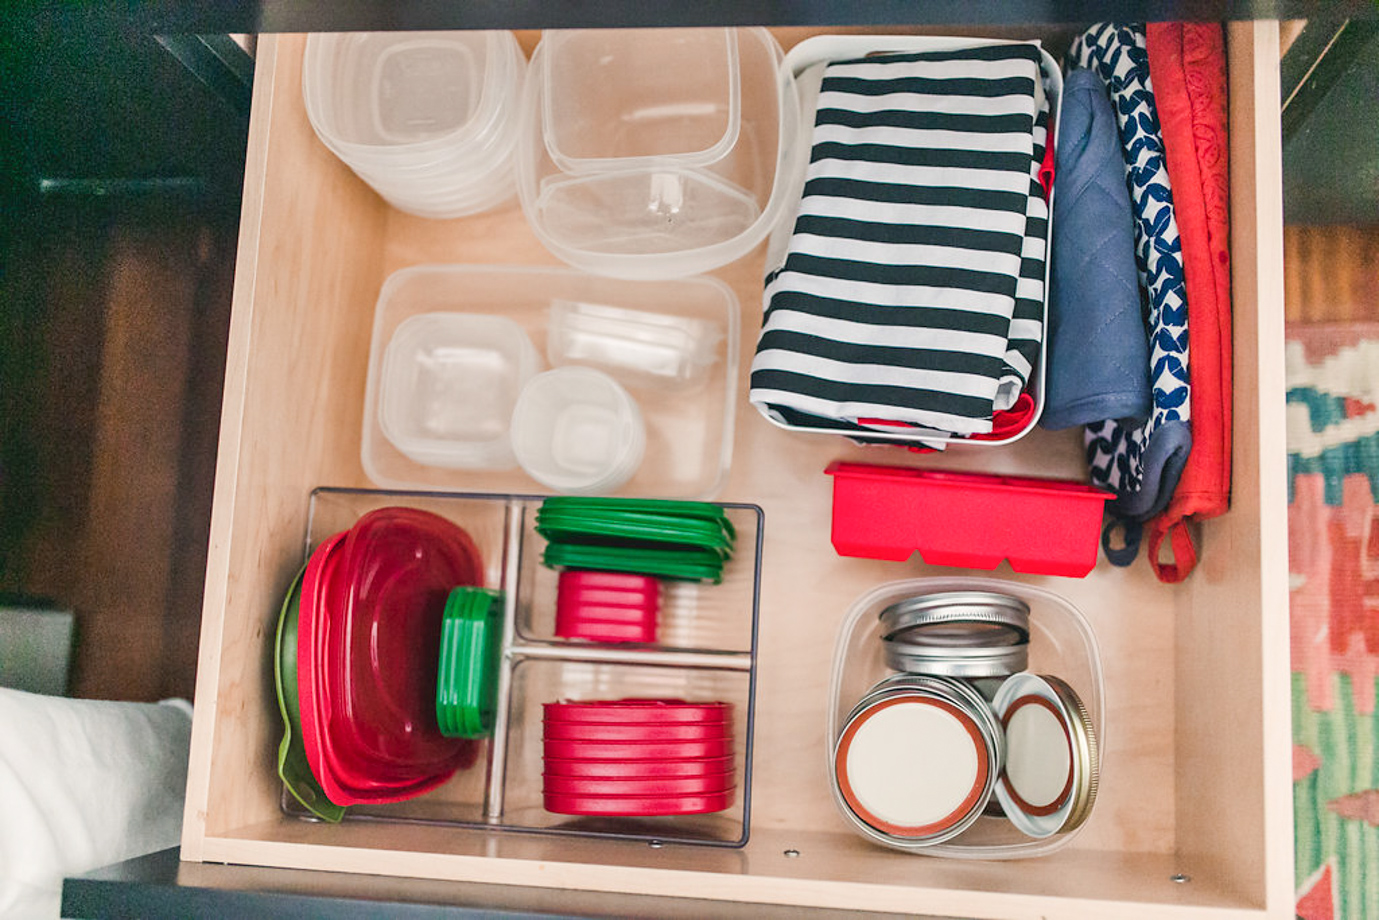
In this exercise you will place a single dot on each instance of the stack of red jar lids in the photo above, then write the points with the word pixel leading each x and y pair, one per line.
pixel 638 757
pixel 607 606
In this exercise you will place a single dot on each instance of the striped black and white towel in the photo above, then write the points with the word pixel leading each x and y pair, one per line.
pixel 912 289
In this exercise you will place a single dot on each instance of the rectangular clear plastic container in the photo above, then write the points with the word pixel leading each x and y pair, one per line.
pixel 689 431
pixel 708 653
pixel 1061 643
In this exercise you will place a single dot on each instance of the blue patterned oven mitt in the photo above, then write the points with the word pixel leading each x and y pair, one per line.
pixel 1141 463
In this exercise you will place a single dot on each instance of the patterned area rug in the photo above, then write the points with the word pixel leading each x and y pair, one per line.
pixel 1333 545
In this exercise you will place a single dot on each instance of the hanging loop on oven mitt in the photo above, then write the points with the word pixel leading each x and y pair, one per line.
pixel 1142 463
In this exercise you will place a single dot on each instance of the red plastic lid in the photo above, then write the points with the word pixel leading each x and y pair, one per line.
pixel 585 581
pixel 636 710
pixel 638 750
pixel 707 784
pixel 612 616
pixel 636 731
pixel 581 609
pixel 638 806
pixel 633 769
pixel 601 631
pixel 400 565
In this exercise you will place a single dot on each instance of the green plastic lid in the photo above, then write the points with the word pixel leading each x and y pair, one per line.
pixel 680 564
pixel 686 509
pixel 595 529
pixel 466 681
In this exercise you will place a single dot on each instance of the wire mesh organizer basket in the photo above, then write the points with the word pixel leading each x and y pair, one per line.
pixel 705 651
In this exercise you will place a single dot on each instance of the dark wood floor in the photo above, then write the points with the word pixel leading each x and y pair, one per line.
pixel 123 314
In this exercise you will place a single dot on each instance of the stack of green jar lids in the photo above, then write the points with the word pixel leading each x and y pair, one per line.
pixel 470 645
pixel 687 541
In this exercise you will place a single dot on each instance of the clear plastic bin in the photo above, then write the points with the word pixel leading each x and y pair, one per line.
pixel 1061 644
pixel 689 432
pixel 666 192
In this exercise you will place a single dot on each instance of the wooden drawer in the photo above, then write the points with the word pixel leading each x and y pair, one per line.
pixel 1196 770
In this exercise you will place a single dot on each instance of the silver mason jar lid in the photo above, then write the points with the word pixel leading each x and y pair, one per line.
pixel 965 700
pixel 965 663
pixel 988 617
pixel 962 634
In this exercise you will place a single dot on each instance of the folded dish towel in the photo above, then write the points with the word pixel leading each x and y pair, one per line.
pixel 1098 352
pixel 911 291
pixel 1142 463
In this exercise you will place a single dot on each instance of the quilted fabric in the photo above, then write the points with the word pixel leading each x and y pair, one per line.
pixel 1119 455
pixel 1188 61
pixel 1098 350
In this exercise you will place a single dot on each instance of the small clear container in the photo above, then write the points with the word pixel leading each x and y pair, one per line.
pixel 575 430
pixel 1061 643
pixel 448 388
pixel 657 349
pixel 688 432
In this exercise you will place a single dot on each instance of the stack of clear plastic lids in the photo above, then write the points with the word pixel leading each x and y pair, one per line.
pixel 428 119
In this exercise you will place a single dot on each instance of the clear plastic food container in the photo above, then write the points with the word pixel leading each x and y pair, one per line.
pixel 449 382
pixel 688 431
pixel 655 153
pixel 1061 644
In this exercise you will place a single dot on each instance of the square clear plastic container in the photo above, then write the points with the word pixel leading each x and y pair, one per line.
pixel 686 179
pixel 1061 644
pixel 614 99
pixel 688 431
pixel 805 64
pixel 503 788
pixel 448 385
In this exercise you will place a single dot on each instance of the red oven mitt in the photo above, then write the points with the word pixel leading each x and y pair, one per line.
pixel 1187 62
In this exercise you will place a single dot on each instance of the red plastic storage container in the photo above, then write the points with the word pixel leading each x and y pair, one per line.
pixel 972 520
